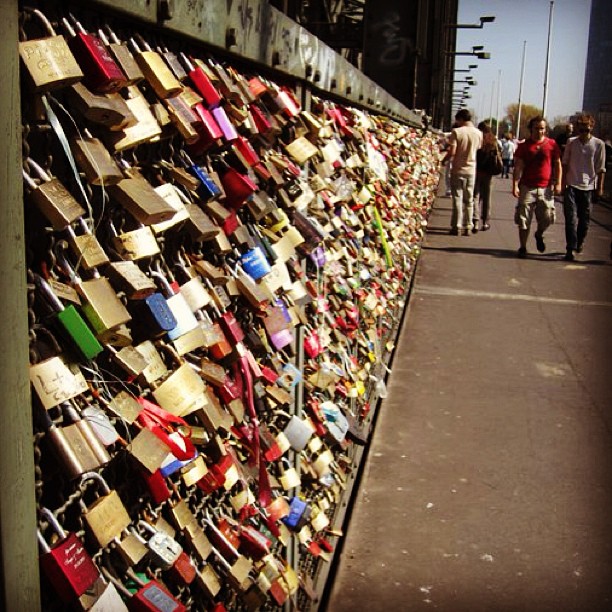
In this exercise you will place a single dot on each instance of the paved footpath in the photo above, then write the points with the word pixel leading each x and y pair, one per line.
pixel 488 483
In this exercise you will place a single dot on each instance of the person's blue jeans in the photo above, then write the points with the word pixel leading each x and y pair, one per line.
pixel 577 204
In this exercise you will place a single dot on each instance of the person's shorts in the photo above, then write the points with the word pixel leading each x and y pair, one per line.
pixel 539 201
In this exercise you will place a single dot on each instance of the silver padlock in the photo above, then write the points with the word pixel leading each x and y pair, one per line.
pixel 164 549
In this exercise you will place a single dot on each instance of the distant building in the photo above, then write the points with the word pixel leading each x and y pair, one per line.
pixel 598 76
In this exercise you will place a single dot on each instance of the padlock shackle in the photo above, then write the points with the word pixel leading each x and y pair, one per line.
pixel 95 476
pixel 44 20
pixel 53 522
pixel 102 36
pixel 186 61
pixel 68 26
pixel 39 170
pixel 145 45
pixel 43 286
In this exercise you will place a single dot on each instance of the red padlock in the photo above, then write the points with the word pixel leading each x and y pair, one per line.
pixel 183 571
pixel 67 564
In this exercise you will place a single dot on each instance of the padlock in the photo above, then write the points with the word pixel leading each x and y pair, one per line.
pixel 102 596
pixel 183 117
pixel 226 126
pixel 150 596
pixel 146 129
pixel 152 316
pixel 86 247
pixel 95 161
pixel 108 110
pixel 131 548
pixel 185 319
pixel 136 244
pixel 299 514
pixel 289 477
pixel 70 320
pixel 67 565
pixel 208 581
pixel 101 73
pixel 164 550
pixel 49 61
pixel 239 569
pixel 155 70
pixel 87 433
pixel 241 496
pixel 122 55
pixel 238 187
pixel 255 264
pixel 202 82
pixel 103 309
pixel 106 517
pixel 53 200
pixel 128 278
pixel 141 200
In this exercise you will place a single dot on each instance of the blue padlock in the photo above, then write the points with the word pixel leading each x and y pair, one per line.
pixel 208 189
pixel 154 314
pixel 299 513
pixel 255 264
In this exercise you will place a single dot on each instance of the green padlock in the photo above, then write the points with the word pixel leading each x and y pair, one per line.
pixel 70 319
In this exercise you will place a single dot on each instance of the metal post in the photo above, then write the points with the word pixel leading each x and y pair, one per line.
pixel 520 96
pixel 19 587
pixel 498 102
pixel 547 69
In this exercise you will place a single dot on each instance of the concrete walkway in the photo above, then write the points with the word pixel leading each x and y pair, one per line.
pixel 488 481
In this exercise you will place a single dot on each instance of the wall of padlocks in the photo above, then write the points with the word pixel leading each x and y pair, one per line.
pixel 217 264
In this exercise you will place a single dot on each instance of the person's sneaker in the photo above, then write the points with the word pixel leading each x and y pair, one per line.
pixel 540 242
pixel 522 253
pixel 454 232
pixel 475 228
pixel 466 232
pixel 569 256
pixel 485 227
pixel 579 248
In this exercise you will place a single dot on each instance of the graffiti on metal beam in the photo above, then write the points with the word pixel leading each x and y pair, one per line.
pixel 396 47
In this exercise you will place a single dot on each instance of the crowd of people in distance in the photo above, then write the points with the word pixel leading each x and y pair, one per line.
pixel 540 168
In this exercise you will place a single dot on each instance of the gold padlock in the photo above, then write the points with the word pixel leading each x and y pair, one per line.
pixel 49 61
pixel 155 69
pixel 139 198
pixel 95 161
pixel 106 109
pixel 136 244
pixel 106 517
pixel 86 247
pixel 53 200
pixel 128 278
pixel 103 309
pixel 146 129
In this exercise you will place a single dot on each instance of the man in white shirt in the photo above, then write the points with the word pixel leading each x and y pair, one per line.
pixel 464 141
pixel 507 147
pixel 584 169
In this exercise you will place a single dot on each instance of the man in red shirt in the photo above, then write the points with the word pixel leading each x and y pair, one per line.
pixel 536 179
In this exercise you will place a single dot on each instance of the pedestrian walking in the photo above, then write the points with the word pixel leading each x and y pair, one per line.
pixel 488 165
pixel 536 179
pixel 584 170
pixel 507 152
pixel 464 141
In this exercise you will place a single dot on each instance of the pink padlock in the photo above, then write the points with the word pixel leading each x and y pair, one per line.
pixel 227 127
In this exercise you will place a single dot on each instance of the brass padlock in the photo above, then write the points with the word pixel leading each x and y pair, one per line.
pixel 102 307
pixel 146 129
pixel 49 60
pixel 155 69
pixel 106 517
pixel 86 247
pixel 95 161
pixel 139 198
pixel 139 243
pixel 108 110
pixel 53 200
pixel 128 278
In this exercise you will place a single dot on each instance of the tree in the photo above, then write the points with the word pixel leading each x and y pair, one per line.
pixel 527 112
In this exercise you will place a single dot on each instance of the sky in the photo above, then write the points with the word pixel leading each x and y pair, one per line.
pixel 517 21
